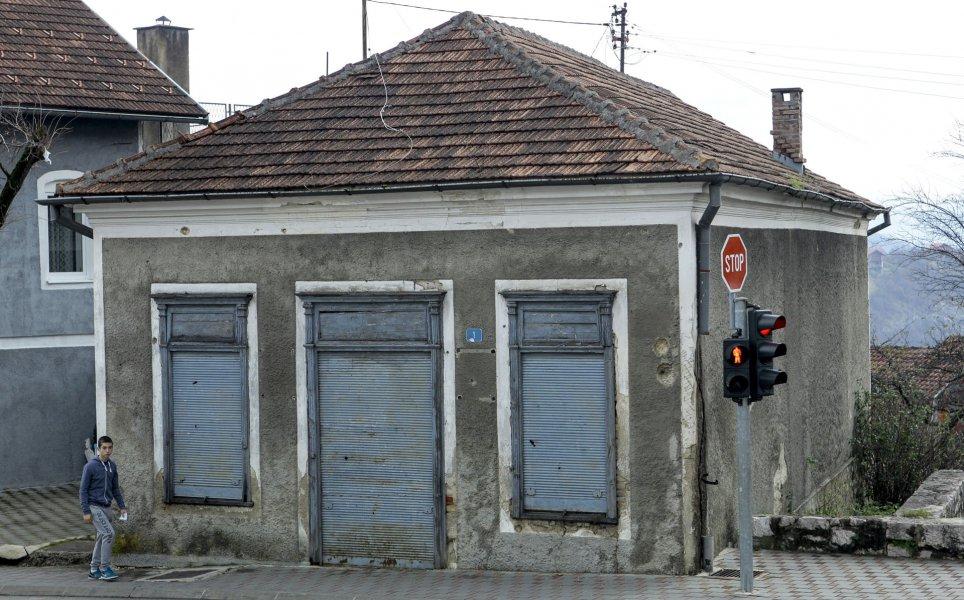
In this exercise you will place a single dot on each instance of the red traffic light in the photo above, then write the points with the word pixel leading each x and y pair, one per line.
pixel 767 323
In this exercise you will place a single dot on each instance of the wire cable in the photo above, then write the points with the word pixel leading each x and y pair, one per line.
pixel 455 12
pixel 833 81
pixel 751 52
pixel 737 62
pixel 818 48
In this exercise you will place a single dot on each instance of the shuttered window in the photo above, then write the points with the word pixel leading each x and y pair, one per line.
pixel 203 346
pixel 563 406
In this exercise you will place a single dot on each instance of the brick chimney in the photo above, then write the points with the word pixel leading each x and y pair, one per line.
pixel 788 126
pixel 167 47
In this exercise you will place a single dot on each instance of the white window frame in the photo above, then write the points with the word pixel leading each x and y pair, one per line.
pixel 60 281
pixel 254 389
pixel 621 345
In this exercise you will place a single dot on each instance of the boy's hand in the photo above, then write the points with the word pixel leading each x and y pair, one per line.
pixel 88 519
pixel 123 512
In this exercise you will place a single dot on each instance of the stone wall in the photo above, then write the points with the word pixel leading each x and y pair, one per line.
pixel 928 525
pixel 941 495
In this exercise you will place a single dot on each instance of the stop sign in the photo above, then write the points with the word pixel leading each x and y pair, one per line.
pixel 733 262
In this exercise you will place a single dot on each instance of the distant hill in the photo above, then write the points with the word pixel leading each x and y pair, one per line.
pixel 900 311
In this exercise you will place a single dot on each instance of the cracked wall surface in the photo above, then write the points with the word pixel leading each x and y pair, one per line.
pixel 646 256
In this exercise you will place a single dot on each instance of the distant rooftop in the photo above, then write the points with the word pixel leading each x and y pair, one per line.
pixel 61 56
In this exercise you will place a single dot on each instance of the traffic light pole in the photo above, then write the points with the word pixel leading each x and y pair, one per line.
pixel 743 460
pixel 744 494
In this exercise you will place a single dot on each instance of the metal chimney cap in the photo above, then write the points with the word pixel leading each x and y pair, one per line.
pixel 163 20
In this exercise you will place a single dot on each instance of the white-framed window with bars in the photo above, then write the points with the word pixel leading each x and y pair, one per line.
pixel 65 255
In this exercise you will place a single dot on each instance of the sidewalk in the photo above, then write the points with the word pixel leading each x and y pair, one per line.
pixel 788 575
pixel 36 517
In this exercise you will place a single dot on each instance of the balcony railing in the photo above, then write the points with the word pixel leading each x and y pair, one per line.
pixel 218 111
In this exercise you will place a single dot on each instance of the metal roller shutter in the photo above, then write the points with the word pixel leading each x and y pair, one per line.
pixel 377 474
pixel 374 364
pixel 565 443
pixel 207 407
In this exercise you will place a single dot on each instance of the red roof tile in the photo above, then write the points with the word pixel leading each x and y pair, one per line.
pixel 59 55
pixel 471 100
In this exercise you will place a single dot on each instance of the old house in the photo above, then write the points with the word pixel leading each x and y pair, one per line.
pixel 61 63
pixel 441 308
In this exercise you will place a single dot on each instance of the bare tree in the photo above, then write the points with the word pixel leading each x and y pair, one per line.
pixel 26 135
pixel 935 234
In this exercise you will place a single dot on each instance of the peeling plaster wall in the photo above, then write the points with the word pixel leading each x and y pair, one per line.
pixel 646 256
pixel 801 435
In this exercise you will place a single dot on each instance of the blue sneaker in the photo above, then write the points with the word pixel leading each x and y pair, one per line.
pixel 107 574
pixel 94 574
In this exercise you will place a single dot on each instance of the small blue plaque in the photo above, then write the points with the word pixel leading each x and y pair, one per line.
pixel 473 335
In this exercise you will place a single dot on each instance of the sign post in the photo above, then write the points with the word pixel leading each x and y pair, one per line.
pixel 733 267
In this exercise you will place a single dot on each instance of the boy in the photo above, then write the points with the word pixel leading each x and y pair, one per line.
pixel 98 487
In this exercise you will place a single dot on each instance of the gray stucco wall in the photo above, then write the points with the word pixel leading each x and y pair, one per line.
pixel 47 391
pixel 801 435
pixel 29 310
pixel 46 399
pixel 473 259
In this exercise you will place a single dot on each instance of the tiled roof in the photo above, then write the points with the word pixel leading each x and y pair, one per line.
pixel 471 100
pixel 929 370
pixel 59 55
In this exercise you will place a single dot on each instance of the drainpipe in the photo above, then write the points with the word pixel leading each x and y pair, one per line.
pixel 703 258
pixel 705 552
pixel 61 219
pixel 883 225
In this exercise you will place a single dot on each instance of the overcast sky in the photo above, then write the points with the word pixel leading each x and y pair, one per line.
pixel 722 57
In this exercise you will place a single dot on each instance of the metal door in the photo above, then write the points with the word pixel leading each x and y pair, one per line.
pixel 376 423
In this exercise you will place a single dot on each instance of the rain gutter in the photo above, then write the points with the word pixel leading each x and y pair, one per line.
pixel 104 114
pixel 865 209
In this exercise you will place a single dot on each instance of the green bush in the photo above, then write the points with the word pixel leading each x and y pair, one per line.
pixel 896 445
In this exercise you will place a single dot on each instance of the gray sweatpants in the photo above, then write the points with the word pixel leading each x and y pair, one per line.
pixel 105 536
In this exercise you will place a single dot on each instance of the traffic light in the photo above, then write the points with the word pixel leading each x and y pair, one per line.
pixel 736 368
pixel 761 324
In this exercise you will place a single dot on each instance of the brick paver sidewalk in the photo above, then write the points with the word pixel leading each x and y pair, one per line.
pixel 39 516
pixel 803 576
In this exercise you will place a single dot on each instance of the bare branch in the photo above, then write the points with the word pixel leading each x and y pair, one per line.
pixel 27 134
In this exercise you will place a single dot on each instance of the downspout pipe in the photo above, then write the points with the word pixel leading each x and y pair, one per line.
pixel 883 225
pixel 64 220
pixel 703 257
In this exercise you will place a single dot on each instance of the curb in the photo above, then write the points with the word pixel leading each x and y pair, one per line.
pixel 140 590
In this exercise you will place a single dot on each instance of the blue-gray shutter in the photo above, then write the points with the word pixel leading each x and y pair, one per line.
pixel 565 442
pixel 207 419
pixel 377 420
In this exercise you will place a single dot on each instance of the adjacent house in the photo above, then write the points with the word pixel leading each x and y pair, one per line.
pixel 443 309
pixel 60 62
pixel 933 374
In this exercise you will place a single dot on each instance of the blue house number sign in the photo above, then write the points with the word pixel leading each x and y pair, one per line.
pixel 473 335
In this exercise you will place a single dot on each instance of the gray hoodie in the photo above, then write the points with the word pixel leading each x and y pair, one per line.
pixel 99 485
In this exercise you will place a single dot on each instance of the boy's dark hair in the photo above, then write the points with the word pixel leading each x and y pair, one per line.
pixel 104 440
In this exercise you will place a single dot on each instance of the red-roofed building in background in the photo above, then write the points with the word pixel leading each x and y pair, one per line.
pixel 934 375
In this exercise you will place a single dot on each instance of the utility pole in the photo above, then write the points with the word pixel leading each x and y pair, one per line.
pixel 621 13
pixel 364 29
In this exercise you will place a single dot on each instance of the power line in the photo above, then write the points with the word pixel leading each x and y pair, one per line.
pixel 831 71
pixel 818 48
pixel 811 60
pixel 837 82
pixel 760 91
pixel 455 12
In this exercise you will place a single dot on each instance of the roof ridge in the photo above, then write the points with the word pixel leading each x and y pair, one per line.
pixel 294 94
pixel 487 31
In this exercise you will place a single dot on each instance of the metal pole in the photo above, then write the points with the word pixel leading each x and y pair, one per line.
pixel 746 521
pixel 744 460
pixel 364 29
pixel 622 40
